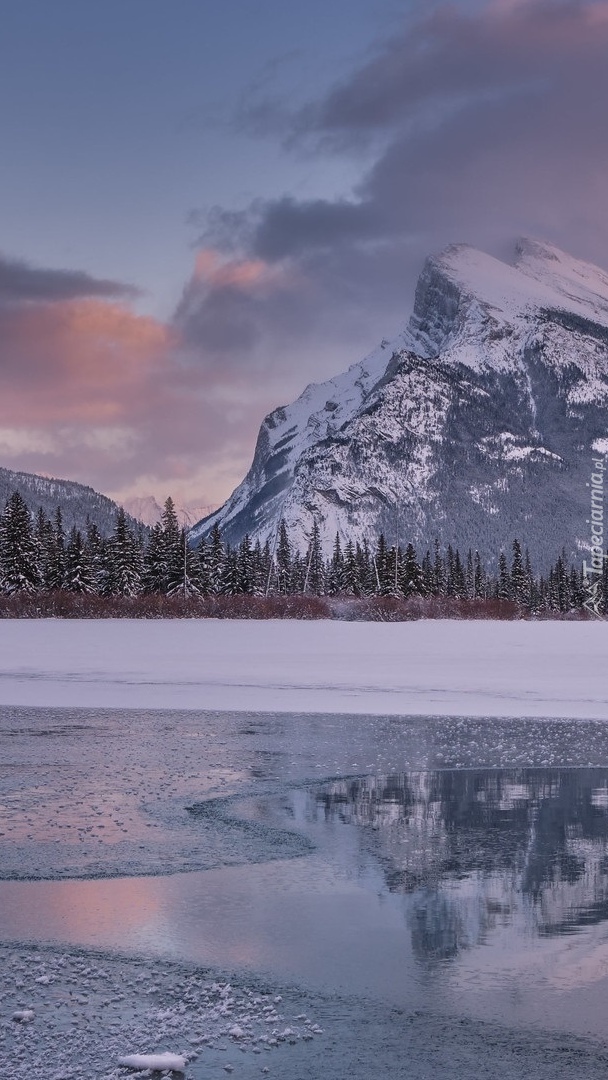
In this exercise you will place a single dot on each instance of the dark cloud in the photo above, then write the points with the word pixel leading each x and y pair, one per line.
pixel 316 224
pixel 451 60
pixel 479 126
pixel 21 282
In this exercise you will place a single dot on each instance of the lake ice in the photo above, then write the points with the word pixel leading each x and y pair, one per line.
pixel 420 893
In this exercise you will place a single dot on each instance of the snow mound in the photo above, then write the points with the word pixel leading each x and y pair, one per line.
pixel 159 1062
pixel 24 1016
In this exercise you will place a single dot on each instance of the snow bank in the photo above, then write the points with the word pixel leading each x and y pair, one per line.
pixel 420 668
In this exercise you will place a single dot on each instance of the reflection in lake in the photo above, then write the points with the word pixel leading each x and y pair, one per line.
pixel 480 892
pixel 476 849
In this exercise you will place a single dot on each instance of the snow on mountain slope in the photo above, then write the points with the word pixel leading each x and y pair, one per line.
pixel 288 432
pixel 79 504
pixel 478 308
pixel 580 286
pixel 477 424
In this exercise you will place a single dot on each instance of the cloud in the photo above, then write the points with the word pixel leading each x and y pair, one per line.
pixel 21 282
pixel 91 391
pixel 468 125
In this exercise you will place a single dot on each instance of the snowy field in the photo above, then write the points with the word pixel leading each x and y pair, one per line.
pixel 437 668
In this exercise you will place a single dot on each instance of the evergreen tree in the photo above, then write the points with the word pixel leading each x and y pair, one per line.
pixel 504 578
pixel 45 543
pixel 314 579
pixel 245 567
pixel 283 560
pixel 480 580
pixel 77 575
pixel 383 582
pixel 561 584
pixel 351 581
pixel 174 552
pixel 124 566
pixel 57 563
pixel 298 573
pixel 230 584
pixel 428 575
pixel 260 563
pixel 19 570
pixel 440 585
pixel 205 571
pixel 189 577
pixel 470 576
pixel 519 589
pixel 95 553
pixel 367 575
pixel 335 571
pixel 456 583
pixel 412 577
pixel 393 566
pixel 155 564
pixel 217 559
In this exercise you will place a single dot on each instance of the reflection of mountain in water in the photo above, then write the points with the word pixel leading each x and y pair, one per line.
pixel 472 849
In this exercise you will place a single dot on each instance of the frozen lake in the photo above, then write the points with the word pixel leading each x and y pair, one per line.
pixel 421 894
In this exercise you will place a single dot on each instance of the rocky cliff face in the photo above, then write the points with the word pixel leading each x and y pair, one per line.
pixel 477 424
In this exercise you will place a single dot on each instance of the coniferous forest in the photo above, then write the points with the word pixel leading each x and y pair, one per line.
pixel 155 572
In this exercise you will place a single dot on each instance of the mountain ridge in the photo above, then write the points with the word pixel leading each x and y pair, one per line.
pixel 471 425
pixel 78 502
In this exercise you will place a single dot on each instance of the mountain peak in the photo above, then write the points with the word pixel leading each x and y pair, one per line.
pixel 576 283
pixel 473 425
pixel 463 287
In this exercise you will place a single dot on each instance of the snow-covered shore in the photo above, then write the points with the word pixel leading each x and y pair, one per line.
pixel 424 668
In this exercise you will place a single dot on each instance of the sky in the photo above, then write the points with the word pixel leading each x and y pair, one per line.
pixel 206 206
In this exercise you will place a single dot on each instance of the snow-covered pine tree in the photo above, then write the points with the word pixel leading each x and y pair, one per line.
pixel 154 563
pixel 45 541
pixel 383 576
pixel 95 551
pixel 77 575
pixel 314 578
pixel 440 587
pixel 217 559
pixel 519 590
pixel 504 578
pixel 204 575
pixel 19 570
pixel 367 577
pixel 57 562
pixel 245 569
pixel 124 561
pixel 457 582
pixel 175 555
pixel 260 564
pixel 283 560
pixel 480 587
pixel 351 580
pixel 411 578
pixel 230 582
pixel 335 569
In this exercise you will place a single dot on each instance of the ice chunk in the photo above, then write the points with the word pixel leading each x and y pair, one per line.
pixel 24 1016
pixel 161 1062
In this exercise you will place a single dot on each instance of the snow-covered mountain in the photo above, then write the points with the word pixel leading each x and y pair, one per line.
pixel 77 502
pixel 476 424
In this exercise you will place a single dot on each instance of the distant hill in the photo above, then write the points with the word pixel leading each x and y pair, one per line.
pixel 78 503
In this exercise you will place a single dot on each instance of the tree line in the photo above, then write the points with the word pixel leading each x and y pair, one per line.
pixel 37 556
